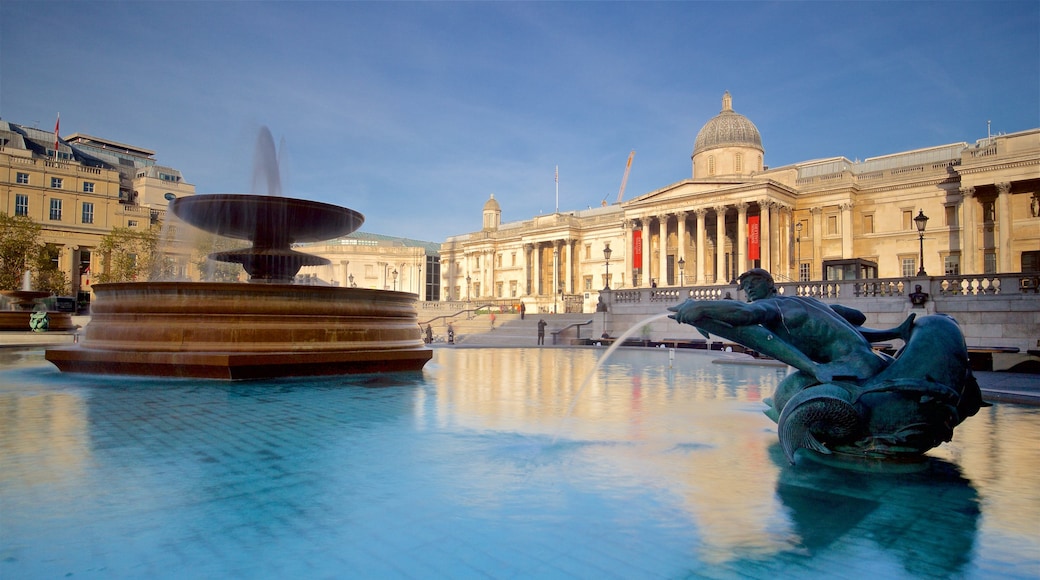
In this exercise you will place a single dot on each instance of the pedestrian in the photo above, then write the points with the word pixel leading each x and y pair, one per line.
pixel 523 310
pixel 541 331
pixel 429 334
pixel 451 334
pixel 492 321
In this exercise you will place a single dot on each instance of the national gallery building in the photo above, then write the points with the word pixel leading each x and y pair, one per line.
pixel 966 208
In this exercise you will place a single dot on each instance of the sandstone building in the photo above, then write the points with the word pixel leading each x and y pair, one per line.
pixel 823 219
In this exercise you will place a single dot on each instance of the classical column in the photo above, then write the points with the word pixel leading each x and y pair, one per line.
pixel 662 247
pixel 568 271
pixel 626 225
pixel 765 207
pixel 1004 226
pixel 969 227
pixel 782 247
pixel 742 239
pixel 702 241
pixel 536 269
pixel 720 244
pixel 644 279
pixel 680 230
pixel 817 238
pixel 846 230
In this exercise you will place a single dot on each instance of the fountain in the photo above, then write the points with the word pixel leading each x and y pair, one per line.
pixel 23 303
pixel 268 328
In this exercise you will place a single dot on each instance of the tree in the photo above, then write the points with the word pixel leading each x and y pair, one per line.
pixel 128 255
pixel 211 270
pixel 20 248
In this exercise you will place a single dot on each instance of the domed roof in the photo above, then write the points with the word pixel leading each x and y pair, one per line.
pixel 727 129
pixel 492 205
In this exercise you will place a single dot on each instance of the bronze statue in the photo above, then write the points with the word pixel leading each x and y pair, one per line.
pixel 846 397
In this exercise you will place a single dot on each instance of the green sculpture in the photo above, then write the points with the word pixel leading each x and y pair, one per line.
pixel 845 397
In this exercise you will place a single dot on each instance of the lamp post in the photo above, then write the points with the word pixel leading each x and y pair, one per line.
pixel 467 287
pixel 682 271
pixel 606 256
pixel 350 279
pixel 921 220
pixel 556 269
pixel 395 279
pixel 798 249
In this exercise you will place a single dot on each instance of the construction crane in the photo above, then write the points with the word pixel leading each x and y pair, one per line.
pixel 624 180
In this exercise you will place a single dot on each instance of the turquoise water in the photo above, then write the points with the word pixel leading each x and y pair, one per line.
pixel 485 465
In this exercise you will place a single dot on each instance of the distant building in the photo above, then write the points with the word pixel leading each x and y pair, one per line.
pixel 822 219
pixel 79 188
pixel 364 260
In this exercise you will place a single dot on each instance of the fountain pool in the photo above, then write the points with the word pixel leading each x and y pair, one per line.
pixel 477 467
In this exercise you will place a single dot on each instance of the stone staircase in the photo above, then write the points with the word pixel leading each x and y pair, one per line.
pixel 509 329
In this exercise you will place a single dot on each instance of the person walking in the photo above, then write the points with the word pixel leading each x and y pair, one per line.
pixel 523 310
pixel 451 334
pixel 541 331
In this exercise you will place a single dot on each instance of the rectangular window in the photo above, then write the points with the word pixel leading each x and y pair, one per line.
pixel 951 216
pixel 952 265
pixel 88 187
pixel 513 257
pixel 989 211
pixel 56 183
pixel 131 223
pixel 55 209
pixel 832 225
pixel 499 289
pixel 909 267
pixel 868 224
pixel 588 283
pixel 588 251
pixel 803 271
pixel 908 220
pixel 88 212
pixel 22 179
pixel 989 263
pixel 21 204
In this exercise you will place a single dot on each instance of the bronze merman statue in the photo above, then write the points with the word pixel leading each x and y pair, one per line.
pixel 844 396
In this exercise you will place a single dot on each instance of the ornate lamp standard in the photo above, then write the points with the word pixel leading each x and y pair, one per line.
pixel 682 271
pixel 798 249
pixel 606 256
pixel 395 279
pixel 467 287
pixel 921 220
pixel 350 279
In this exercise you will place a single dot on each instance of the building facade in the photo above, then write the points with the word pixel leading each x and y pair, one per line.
pixel 817 220
pixel 78 189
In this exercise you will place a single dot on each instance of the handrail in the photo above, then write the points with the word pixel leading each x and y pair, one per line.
pixel 577 325
pixel 453 315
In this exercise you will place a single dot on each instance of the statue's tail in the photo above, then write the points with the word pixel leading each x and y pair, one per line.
pixel 816 416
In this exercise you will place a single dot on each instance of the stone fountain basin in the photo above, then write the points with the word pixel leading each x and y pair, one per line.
pixel 269 221
pixel 233 330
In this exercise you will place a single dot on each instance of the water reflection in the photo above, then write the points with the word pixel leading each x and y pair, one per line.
pixel 664 469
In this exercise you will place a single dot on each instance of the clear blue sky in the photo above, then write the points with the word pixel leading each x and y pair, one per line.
pixel 413 113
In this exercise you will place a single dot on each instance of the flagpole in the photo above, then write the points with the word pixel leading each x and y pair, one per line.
pixel 557 189
pixel 57 124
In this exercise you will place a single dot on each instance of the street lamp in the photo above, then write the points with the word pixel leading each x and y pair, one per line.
pixel 682 271
pixel 606 256
pixel 395 279
pixel 467 287
pixel 921 220
pixel 798 249
pixel 350 278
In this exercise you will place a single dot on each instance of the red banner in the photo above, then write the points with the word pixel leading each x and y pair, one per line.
pixel 753 241
pixel 637 249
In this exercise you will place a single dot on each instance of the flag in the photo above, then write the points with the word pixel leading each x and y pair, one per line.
pixel 57 124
